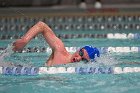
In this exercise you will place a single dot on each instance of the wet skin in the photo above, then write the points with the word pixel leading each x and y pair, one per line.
pixel 59 54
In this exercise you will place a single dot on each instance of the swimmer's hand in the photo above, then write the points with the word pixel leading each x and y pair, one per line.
pixel 19 45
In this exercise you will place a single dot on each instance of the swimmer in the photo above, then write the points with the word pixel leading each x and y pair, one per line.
pixel 59 54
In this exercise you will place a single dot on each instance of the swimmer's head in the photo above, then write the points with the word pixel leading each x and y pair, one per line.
pixel 92 51
pixel 86 53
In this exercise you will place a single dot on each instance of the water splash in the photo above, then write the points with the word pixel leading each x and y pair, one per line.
pixel 7 52
pixel 105 60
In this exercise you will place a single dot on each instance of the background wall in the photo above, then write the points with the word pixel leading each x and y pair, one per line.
pixel 4 3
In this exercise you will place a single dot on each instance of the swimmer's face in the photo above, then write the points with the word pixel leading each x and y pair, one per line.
pixel 80 55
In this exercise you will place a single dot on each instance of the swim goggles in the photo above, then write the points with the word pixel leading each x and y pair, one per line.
pixel 81 53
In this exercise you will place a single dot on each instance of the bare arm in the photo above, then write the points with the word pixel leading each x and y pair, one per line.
pixel 48 34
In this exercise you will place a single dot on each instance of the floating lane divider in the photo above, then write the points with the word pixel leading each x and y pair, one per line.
pixel 123 36
pixel 102 49
pixel 70 36
pixel 108 36
pixel 31 71
pixel 74 49
pixel 109 49
pixel 119 49
pixel 19 70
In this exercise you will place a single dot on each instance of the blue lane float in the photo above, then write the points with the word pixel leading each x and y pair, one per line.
pixel 32 71
pixel 92 70
pixel 20 70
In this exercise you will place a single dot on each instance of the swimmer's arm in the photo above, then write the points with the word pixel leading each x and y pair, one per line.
pixel 50 37
pixel 49 61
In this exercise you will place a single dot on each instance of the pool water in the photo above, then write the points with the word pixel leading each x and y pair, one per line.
pixel 128 83
pixel 75 83
pixel 14 22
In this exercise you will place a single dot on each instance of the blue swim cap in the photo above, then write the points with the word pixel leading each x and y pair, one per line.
pixel 92 51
